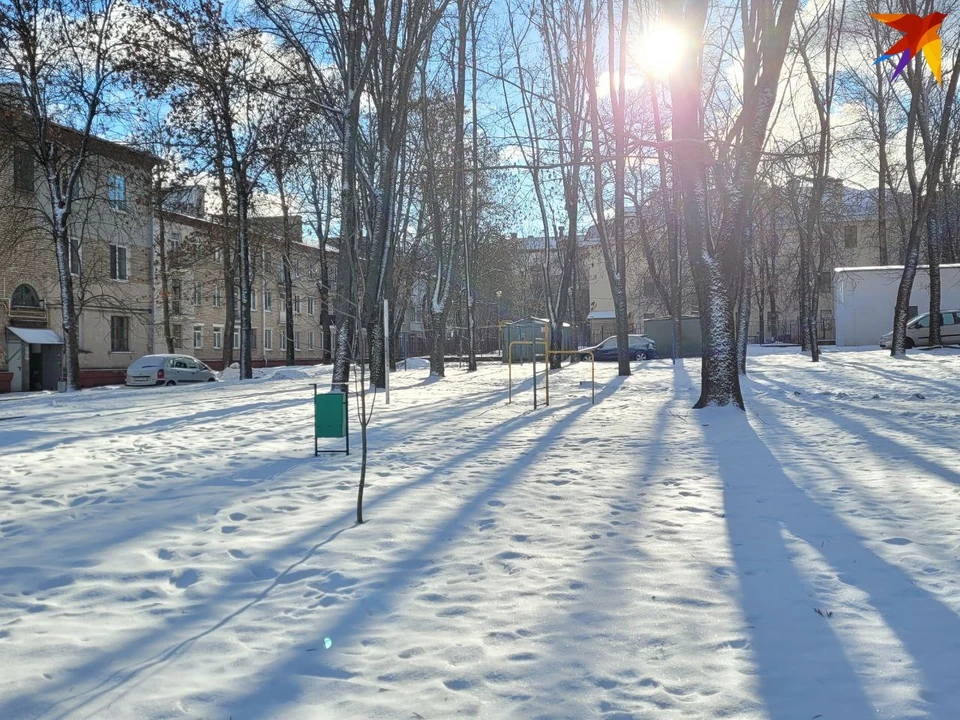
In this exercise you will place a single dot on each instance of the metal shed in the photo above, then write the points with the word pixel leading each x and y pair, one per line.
pixel 660 330
pixel 531 329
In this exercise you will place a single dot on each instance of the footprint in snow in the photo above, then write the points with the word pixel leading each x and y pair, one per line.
pixel 185 579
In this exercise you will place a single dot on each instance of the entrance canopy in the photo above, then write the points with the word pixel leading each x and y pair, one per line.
pixel 35 336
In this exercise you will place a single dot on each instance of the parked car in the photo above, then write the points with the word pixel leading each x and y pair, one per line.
pixel 168 370
pixel 918 330
pixel 641 348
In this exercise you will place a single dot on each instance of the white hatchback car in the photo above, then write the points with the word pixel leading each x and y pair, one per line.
pixel 168 370
pixel 918 330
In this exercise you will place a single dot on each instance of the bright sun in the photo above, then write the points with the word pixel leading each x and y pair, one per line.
pixel 659 50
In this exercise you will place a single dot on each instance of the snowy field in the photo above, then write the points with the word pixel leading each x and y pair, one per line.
pixel 179 553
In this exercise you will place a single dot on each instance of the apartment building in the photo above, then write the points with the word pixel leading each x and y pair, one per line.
pixel 196 293
pixel 110 260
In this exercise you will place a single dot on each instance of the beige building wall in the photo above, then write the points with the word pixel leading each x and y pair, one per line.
pixel 103 216
pixel 197 266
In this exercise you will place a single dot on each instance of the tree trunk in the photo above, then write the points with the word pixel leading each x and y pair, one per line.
pixel 68 314
pixel 471 236
pixel 246 318
pixel 721 379
pixel 743 306
pixel 438 329
pixel 291 356
pixel 226 244
pixel 164 274
pixel 933 257
pixel 619 98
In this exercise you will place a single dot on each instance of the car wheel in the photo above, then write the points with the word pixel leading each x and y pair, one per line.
pixel 641 355
pixel 211 379
pixel 170 383
pixel 909 343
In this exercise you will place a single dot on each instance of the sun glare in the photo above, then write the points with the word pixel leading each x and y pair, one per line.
pixel 659 50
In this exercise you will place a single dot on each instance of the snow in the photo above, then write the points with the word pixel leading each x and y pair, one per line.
pixel 179 552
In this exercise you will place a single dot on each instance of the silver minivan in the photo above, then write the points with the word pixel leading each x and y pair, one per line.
pixel 168 370
pixel 918 330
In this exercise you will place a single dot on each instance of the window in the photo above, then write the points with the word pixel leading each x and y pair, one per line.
pixel 296 267
pixel 197 337
pixel 75 255
pixel 296 340
pixel 176 295
pixel 217 337
pixel 826 281
pixel 923 322
pixel 197 294
pixel 913 311
pixel 173 243
pixel 283 340
pixel 296 304
pixel 117 191
pixel 119 334
pixel 268 300
pixel 948 319
pixel 218 255
pixel 310 340
pixel 268 338
pixel 236 336
pixel 23 177
pixel 253 300
pixel 118 262
pixel 176 332
pixel 25 297
pixel 309 306
pixel 253 338
pixel 267 262
pixel 217 299
pixel 850 236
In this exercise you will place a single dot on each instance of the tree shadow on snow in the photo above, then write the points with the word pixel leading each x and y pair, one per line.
pixel 115 682
pixel 805 666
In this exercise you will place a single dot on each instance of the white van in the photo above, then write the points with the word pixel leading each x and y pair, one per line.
pixel 918 330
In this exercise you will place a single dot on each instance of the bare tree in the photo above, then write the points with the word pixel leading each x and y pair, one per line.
pixel 63 57
pixel 716 256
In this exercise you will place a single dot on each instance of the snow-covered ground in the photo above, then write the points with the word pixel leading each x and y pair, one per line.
pixel 179 552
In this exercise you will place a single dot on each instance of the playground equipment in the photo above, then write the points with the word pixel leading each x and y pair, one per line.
pixel 547 352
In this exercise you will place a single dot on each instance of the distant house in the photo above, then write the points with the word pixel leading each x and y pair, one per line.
pixel 196 292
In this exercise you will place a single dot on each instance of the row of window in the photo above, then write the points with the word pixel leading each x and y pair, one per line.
pixel 24 179
pixel 177 332
pixel 216 298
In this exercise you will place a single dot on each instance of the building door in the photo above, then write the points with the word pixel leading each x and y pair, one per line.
pixel 36 367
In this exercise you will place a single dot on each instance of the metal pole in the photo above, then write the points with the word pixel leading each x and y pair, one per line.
pixel 546 357
pixel 533 347
pixel 386 348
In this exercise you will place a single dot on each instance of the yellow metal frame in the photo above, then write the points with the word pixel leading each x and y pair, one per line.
pixel 547 352
pixel 510 366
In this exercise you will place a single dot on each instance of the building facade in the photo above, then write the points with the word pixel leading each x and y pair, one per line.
pixel 110 260
pixel 196 293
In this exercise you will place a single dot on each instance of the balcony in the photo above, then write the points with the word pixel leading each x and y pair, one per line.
pixel 28 317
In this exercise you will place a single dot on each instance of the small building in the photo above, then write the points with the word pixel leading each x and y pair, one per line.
pixel 531 330
pixel 865 297
pixel 660 330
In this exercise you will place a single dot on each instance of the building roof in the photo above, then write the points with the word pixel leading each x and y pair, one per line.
pixel 898 268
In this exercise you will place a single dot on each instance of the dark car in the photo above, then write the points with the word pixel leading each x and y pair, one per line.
pixel 641 348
